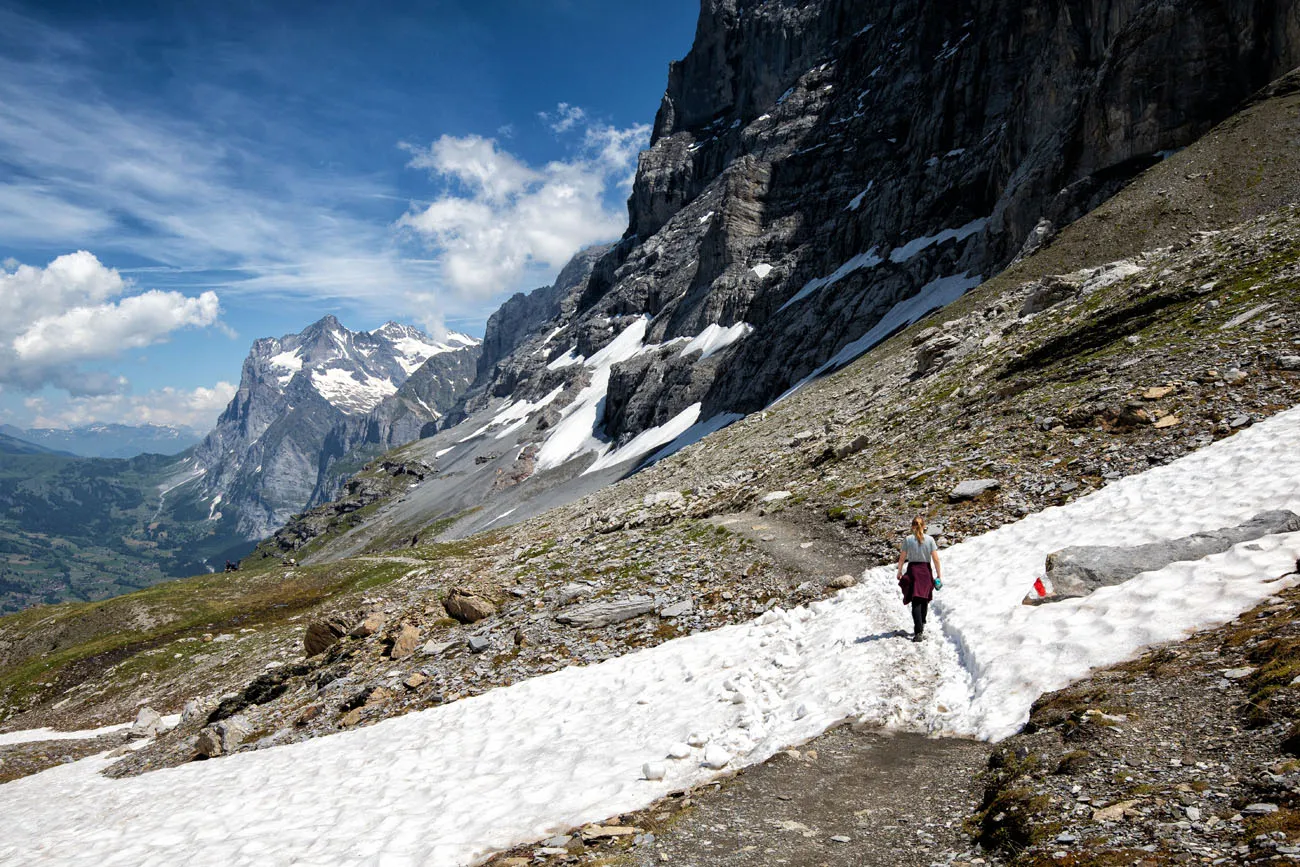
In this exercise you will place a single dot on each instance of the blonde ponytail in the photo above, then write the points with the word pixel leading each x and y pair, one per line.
pixel 918 528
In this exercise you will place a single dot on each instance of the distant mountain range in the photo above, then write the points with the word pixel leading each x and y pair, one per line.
pixel 110 440
pixel 100 510
pixel 312 406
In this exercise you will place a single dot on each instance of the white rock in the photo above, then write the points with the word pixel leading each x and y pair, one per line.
pixel 679 750
pixel 654 770
pixel 716 758
pixel 664 498
pixel 148 723
pixel 776 496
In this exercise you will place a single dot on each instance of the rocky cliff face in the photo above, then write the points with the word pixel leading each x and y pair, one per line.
pixel 307 401
pixel 823 173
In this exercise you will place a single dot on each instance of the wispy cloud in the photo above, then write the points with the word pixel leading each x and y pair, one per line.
pixel 564 118
pixel 77 170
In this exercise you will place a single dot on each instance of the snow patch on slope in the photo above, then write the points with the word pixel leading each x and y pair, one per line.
pixel 351 392
pixel 414 789
pixel 716 338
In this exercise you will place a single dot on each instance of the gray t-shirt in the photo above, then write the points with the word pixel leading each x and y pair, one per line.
pixel 919 552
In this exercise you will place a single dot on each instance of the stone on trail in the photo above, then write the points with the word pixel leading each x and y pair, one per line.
pixel 1260 809
pixel 597 614
pixel 415 681
pixel 468 607
pixel 841 582
pixel 1158 392
pixel 972 488
pixel 478 644
pixel 776 496
pixel 1168 421
pixel 599 832
pixel 434 647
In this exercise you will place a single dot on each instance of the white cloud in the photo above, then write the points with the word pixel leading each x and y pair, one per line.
pixel 196 408
pixel 506 218
pixel 564 118
pixel 71 311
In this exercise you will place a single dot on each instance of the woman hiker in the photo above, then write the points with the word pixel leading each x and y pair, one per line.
pixel 915 577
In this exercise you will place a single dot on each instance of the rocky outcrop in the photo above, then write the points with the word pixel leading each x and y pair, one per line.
pixel 522 315
pixel 823 173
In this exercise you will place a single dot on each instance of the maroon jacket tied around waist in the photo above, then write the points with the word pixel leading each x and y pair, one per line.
pixel 917 583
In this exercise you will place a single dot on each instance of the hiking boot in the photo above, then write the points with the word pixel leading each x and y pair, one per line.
pixel 916 636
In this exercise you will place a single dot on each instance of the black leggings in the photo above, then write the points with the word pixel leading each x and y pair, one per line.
pixel 919 609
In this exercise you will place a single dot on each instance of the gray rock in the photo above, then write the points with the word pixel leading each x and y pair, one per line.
pixel 1289 362
pixel 932 354
pixel 208 743
pixel 841 582
pixel 1078 571
pixel 852 447
pixel 597 614
pixel 970 489
pixel 437 648
pixel 478 644
pixel 192 711
pixel 678 609
pixel 148 724
pixel 1261 809
pixel 672 499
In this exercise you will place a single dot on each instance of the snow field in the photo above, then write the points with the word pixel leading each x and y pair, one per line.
pixel 452 784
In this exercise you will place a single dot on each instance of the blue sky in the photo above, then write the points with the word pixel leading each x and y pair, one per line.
pixel 179 178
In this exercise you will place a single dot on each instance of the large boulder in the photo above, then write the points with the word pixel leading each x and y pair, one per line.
pixel 1078 571
pixel 468 607
pixel 148 723
pixel 598 614
pixel 322 635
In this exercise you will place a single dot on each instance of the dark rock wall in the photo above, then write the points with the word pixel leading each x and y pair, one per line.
pixel 784 113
